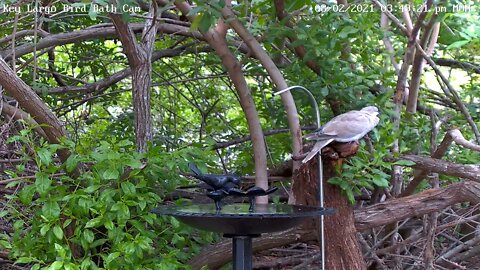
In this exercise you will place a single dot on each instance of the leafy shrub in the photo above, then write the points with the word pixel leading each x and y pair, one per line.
pixel 101 219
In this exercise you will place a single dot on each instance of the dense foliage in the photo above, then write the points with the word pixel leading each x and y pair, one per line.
pixel 107 209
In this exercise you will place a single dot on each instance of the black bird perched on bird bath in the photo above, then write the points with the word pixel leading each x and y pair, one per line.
pixel 216 181
pixel 218 185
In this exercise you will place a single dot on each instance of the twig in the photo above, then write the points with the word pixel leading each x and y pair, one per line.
pixel 28 177
pixel 375 257
pixel 473 67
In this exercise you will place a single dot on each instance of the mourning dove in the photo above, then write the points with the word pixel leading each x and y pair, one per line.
pixel 347 127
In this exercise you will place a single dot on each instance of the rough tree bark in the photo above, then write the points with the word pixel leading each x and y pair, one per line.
pixel 342 247
pixel 139 58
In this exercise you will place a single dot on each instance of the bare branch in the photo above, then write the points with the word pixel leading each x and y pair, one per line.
pixel 457 136
pixel 248 138
pixel 473 67
pixel 452 93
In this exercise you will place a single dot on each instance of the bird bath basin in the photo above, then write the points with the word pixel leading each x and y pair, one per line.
pixel 241 224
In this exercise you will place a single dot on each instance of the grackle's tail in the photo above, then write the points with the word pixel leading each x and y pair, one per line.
pixel 194 169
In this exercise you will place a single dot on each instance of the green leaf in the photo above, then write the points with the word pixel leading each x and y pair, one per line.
pixel 42 182
pixel 91 12
pixel 86 264
pixel 55 265
pixel 110 174
pixel 88 236
pixel 44 230
pixel 71 162
pixel 51 209
pixel 67 222
pixel 60 251
pixel 58 232
pixel 45 156
pixel 93 222
pixel 108 224
pixel 112 256
pixel 195 10
pixel 457 44
pixel 24 260
pixel 5 244
pixel 26 194
pixel 196 22
pixel 91 189
pixel 205 23
pixel 128 188
pixel 380 181
pixel 404 162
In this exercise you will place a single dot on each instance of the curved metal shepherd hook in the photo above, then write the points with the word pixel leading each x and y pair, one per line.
pixel 320 165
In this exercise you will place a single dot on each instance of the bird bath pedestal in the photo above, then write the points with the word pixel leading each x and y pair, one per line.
pixel 239 222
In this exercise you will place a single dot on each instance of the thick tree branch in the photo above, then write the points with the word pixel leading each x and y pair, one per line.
pixel 32 104
pixel 129 42
pixel 220 253
pixel 417 66
pixel 450 136
pixel 426 202
pixel 457 136
pixel 471 172
pixel 277 78
pixel 218 42
pixel 53 40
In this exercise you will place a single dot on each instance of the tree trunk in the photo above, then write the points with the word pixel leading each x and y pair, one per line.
pixel 139 58
pixel 342 248
pixel 141 82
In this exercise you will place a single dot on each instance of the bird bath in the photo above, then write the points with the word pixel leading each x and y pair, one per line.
pixel 239 222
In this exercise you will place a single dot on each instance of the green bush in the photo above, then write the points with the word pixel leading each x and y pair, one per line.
pixel 101 219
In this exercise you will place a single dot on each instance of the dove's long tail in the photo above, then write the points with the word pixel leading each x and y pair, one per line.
pixel 316 148
pixel 194 169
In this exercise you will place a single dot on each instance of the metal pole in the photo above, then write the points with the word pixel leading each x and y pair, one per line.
pixel 242 252
pixel 320 166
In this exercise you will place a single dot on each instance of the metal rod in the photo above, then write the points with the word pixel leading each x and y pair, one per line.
pixel 320 166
